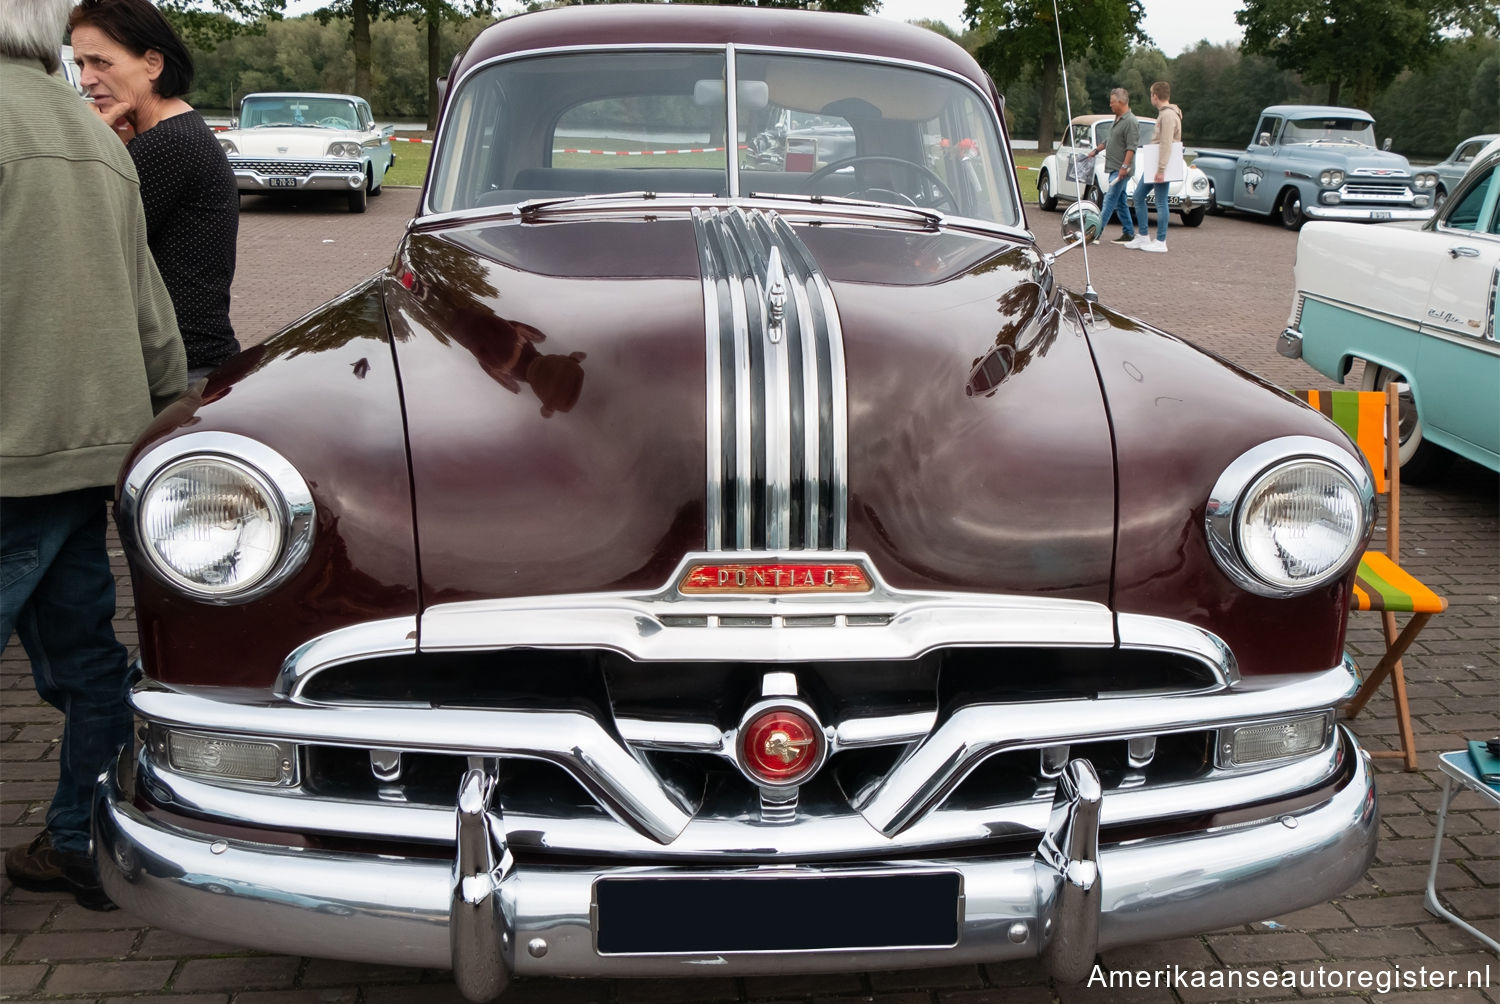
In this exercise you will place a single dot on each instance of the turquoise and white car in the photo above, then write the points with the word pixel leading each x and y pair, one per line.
pixel 1417 304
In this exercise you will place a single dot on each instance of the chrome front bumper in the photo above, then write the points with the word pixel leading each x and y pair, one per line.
pixel 476 911
pixel 331 179
pixel 1365 214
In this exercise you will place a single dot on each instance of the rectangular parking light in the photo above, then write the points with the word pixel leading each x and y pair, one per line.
pixel 1243 745
pixel 228 758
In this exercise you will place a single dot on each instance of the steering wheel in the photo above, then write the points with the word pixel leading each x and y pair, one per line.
pixel 333 122
pixel 943 193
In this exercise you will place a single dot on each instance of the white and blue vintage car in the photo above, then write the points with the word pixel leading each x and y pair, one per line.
pixel 1418 306
pixel 296 142
pixel 1318 162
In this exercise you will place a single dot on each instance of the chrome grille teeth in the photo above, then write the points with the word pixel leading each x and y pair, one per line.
pixel 777 413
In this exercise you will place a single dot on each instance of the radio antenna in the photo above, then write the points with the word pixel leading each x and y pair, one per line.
pixel 1089 295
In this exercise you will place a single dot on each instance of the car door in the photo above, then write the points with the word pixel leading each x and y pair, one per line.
pixel 1255 181
pixel 1077 145
pixel 1458 361
pixel 377 140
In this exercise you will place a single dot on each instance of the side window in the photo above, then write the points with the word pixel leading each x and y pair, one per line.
pixel 1463 212
pixel 1468 152
pixel 366 120
pixel 1265 132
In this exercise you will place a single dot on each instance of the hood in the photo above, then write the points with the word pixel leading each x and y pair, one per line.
pixel 1351 158
pixel 302 142
pixel 600 390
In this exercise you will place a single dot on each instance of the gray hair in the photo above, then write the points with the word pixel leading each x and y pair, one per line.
pixel 33 29
pixel 1120 94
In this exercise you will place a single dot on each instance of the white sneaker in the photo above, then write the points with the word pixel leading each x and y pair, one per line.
pixel 1160 247
pixel 1137 242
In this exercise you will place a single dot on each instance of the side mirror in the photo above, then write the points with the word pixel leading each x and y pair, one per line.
pixel 234 123
pixel 1387 144
pixel 1081 222
pixel 386 132
pixel 1265 139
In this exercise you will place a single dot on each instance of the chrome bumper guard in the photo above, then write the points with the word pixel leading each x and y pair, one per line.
pixel 486 918
pixel 1289 343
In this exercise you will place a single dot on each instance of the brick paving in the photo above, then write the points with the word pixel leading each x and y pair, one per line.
pixel 1226 286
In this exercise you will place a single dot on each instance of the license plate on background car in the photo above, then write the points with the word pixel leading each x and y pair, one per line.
pixel 649 915
pixel 1380 214
pixel 282 182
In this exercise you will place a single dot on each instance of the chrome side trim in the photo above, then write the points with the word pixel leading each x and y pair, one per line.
pixel 395 911
pixel 296 810
pixel 370 640
pixel 650 626
pixel 933 768
pixel 573 740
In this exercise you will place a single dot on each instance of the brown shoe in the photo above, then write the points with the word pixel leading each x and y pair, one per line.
pixel 40 867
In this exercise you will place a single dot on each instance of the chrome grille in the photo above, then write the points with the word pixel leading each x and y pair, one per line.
pixel 1378 190
pixel 293 168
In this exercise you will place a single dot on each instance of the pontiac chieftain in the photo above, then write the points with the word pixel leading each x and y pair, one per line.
pixel 673 565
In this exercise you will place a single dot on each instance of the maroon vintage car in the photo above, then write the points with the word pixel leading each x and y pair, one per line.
pixel 676 563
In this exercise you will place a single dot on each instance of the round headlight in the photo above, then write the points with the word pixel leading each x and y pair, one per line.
pixel 1290 516
pixel 1200 182
pixel 228 145
pixel 218 516
pixel 344 150
pixel 1426 181
pixel 211 525
pixel 1299 524
pixel 1331 179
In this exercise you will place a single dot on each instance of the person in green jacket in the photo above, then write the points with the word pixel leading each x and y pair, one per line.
pixel 89 351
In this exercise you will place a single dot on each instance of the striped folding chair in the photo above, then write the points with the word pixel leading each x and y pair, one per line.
pixel 1381 584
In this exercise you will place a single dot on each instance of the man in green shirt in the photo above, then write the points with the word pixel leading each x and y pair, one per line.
pixel 89 350
pixel 1119 160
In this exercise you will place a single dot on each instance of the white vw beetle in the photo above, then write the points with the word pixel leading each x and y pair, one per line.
pixel 293 142
pixel 1190 198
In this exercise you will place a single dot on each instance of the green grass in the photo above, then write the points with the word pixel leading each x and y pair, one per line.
pixel 411 163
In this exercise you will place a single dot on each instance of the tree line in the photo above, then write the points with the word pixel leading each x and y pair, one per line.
pixel 1426 93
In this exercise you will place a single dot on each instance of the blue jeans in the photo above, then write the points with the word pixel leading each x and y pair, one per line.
pixel 1142 220
pixel 58 594
pixel 1114 204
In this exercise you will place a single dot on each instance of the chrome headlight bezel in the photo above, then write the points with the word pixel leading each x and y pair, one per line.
pixel 343 149
pixel 1331 178
pixel 227 145
pixel 273 475
pixel 1252 468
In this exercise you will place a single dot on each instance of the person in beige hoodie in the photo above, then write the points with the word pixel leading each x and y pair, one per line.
pixel 1168 131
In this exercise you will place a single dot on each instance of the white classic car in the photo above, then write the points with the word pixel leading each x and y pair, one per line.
pixel 1417 304
pixel 294 142
pixel 1190 198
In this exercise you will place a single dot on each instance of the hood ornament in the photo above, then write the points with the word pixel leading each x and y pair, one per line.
pixel 775 295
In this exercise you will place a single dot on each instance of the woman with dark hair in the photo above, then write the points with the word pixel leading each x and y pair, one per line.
pixel 135 69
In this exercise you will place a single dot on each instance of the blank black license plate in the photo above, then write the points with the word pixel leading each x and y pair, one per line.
pixel 282 182
pixel 776 914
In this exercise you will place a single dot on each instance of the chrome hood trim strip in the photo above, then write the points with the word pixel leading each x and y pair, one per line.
pixel 777 412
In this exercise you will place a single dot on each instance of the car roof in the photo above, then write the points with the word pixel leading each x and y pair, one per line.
pixel 301 94
pixel 1089 119
pixel 1318 112
pixel 698 24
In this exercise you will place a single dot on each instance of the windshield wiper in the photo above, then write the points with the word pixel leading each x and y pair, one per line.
pixel 929 216
pixel 536 207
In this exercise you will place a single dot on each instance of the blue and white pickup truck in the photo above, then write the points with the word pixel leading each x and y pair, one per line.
pixel 1318 162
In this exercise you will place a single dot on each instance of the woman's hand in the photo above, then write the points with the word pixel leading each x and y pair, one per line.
pixel 114 113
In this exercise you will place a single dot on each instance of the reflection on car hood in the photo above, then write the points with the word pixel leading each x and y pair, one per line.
pixel 555 378
pixel 303 142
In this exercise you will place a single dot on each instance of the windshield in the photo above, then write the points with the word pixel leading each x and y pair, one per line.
pixel 1330 130
pixel 657 121
pixel 324 113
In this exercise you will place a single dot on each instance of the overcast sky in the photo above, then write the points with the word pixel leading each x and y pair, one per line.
pixel 1174 25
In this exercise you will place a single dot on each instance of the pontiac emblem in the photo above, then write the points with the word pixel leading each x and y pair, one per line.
pixel 774 577
pixel 784 748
